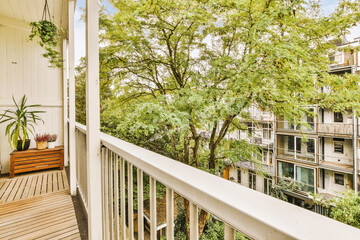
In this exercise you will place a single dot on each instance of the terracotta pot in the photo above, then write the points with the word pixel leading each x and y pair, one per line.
pixel 41 145
pixel 51 145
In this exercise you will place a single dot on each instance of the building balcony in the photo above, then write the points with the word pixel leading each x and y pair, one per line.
pixel 266 168
pixel 335 129
pixel 286 126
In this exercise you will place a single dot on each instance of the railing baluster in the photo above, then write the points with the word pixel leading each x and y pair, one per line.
pixel 103 190
pixel 106 190
pixel 169 214
pixel 194 224
pixel 116 181
pixel 153 234
pixel 140 192
pixel 229 232
pixel 122 198
pixel 130 202
pixel 111 193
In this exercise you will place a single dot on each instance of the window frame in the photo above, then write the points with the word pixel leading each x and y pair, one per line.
pixel 238 176
pixel 337 118
pixel 338 141
pixel 343 179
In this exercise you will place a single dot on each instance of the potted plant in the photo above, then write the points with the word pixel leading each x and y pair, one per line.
pixel 41 141
pixel 21 122
pixel 51 141
pixel 48 36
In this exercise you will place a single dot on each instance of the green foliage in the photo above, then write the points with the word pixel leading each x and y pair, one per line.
pixel 48 37
pixel 214 230
pixel 345 208
pixel 20 122
pixel 180 228
pixel 182 74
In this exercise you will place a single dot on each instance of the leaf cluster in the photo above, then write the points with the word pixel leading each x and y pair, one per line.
pixel 48 37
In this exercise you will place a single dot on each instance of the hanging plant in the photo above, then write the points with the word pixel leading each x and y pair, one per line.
pixel 48 36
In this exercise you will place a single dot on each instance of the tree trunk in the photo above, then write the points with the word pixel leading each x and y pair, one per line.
pixel 212 163
pixel 201 219
pixel 195 151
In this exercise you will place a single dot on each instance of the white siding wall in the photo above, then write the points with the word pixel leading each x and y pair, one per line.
pixel 330 184
pixel 23 70
pixel 329 117
pixel 344 158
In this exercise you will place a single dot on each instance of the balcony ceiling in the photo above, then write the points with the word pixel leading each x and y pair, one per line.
pixel 31 10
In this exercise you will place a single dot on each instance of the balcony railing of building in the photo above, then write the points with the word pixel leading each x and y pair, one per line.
pixel 297 155
pixel 240 208
pixel 326 129
pixel 312 157
pixel 335 129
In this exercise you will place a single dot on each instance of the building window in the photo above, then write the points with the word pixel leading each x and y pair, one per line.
pixel 251 129
pixel 298 145
pixel 267 131
pixel 338 117
pixel 252 180
pixel 305 178
pixel 267 185
pixel 339 145
pixel 311 146
pixel 291 147
pixel 239 176
pixel 339 179
pixel 310 118
pixel 286 170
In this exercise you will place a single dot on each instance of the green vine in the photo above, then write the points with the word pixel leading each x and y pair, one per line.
pixel 48 36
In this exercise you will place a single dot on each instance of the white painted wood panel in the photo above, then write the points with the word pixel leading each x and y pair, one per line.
pixel 23 70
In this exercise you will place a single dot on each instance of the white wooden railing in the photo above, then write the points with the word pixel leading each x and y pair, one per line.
pixel 256 215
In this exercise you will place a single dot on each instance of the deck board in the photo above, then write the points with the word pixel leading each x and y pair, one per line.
pixel 27 186
pixel 37 206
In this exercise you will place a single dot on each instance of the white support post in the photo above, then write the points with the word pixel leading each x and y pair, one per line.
pixel 140 189
pixel 229 232
pixel 71 55
pixel 153 232
pixel 130 202
pixel 355 167
pixel 194 224
pixel 169 214
pixel 122 200
pixel 65 103
pixel 116 183
pixel 93 120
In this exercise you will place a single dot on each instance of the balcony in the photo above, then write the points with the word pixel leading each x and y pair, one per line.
pixel 101 166
pixel 335 129
pixel 286 126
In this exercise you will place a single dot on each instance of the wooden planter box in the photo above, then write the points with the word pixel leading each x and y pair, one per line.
pixel 33 159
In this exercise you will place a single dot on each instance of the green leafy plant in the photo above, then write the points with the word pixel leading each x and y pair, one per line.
pixel 20 121
pixel 48 36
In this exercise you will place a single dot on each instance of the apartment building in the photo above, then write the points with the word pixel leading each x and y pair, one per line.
pixel 318 156
pixel 259 131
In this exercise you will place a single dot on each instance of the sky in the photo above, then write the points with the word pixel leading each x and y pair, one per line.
pixel 328 6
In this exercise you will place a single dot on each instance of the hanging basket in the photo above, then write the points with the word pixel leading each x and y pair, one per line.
pixel 48 37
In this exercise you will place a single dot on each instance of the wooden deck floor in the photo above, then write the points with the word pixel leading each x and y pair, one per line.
pixel 37 206
pixel 27 186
